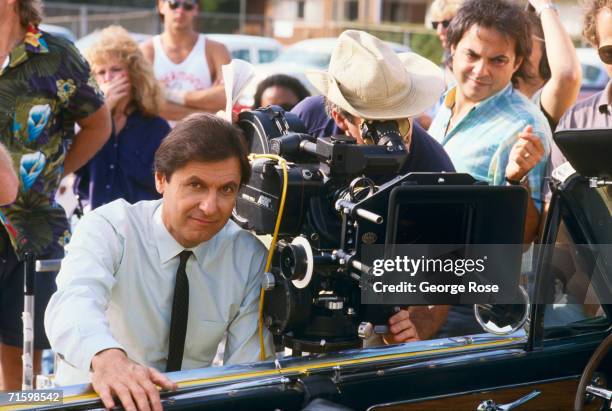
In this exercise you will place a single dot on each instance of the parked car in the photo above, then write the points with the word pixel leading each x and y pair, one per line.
pixel 296 59
pixel 594 75
pixel 254 49
pixel 549 363
pixel 58 31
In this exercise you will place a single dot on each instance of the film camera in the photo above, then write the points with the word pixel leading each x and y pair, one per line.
pixel 340 197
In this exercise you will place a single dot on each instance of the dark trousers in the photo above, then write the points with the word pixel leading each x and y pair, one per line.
pixel 11 295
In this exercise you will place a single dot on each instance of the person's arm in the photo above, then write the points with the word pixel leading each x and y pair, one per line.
pixel 527 154
pixel 95 130
pixel 76 322
pixel 10 183
pixel 560 92
pixel 243 344
pixel 213 98
pixel 175 112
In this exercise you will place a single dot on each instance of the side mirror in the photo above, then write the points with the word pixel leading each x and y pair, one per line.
pixel 503 319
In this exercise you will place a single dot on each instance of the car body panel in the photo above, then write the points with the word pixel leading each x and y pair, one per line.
pixel 254 49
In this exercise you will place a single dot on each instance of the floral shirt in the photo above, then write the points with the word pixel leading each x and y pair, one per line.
pixel 44 89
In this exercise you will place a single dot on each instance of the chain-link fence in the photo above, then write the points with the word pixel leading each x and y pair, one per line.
pixel 83 19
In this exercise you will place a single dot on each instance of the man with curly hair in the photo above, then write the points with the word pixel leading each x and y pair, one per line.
pixel 595 111
pixel 45 88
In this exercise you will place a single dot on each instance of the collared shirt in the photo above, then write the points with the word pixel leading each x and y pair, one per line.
pixel 480 142
pixel 116 285
pixel 123 168
pixel 592 112
pixel 44 89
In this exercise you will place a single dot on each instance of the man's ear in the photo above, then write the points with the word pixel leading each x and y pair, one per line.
pixel 519 62
pixel 339 120
pixel 160 182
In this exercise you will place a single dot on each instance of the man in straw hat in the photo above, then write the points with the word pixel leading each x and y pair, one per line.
pixel 366 80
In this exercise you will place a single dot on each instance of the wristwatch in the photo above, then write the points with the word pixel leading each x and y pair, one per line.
pixel 551 6
pixel 523 181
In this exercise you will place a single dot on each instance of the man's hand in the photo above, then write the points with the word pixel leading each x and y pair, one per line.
pixel 401 329
pixel 525 155
pixel 115 90
pixel 134 384
pixel 538 4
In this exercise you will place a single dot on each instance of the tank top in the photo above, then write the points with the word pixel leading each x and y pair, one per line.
pixel 190 74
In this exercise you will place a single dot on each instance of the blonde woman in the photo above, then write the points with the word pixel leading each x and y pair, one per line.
pixel 442 12
pixel 123 168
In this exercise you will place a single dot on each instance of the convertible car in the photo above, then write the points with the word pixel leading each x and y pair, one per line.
pixel 552 358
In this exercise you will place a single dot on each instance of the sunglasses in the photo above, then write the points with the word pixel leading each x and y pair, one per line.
pixel 605 54
pixel 186 5
pixel 444 24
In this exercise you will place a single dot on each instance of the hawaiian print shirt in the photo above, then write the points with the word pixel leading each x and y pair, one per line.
pixel 44 89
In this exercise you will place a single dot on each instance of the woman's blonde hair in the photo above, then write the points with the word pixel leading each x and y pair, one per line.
pixel 443 8
pixel 30 12
pixel 115 42
pixel 592 9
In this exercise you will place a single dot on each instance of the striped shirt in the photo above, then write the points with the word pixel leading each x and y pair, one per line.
pixel 480 142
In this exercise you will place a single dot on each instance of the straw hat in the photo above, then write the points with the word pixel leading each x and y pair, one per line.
pixel 369 80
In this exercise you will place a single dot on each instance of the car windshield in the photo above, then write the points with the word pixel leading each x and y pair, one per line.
pixel 305 57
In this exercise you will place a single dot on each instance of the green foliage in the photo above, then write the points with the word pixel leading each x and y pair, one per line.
pixel 427 45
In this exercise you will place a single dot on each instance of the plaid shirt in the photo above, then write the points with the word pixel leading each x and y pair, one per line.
pixel 480 142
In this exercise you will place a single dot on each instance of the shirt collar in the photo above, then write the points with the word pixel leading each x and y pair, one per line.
pixel 33 43
pixel 168 248
pixel 605 100
pixel 449 99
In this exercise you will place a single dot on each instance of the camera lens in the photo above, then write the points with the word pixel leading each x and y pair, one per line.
pixel 293 262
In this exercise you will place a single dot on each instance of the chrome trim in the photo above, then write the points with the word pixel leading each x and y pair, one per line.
pixel 295 366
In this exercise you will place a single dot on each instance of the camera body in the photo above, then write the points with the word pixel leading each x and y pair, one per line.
pixel 342 201
pixel 312 293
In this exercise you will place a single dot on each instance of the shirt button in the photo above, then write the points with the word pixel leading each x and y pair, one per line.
pixel 108 186
pixel 112 166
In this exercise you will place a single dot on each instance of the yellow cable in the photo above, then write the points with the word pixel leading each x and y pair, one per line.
pixel 283 164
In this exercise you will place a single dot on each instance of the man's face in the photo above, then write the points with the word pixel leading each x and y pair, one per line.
pixel 350 127
pixel 603 24
pixel 178 14
pixel 280 96
pixel 483 63
pixel 198 199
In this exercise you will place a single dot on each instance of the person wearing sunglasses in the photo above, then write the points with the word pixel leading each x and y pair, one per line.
pixel 595 111
pixel 442 12
pixel 186 62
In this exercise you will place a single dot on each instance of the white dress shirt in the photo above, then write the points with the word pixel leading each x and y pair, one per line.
pixel 116 285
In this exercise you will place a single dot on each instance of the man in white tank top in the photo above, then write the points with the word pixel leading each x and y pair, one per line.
pixel 186 62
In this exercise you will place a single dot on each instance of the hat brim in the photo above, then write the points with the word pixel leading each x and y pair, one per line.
pixel 427 85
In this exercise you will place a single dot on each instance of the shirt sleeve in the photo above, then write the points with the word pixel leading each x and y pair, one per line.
pixel 86 98
pixel 75 319
pixel 243 333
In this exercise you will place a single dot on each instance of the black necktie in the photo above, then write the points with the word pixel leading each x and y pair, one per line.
pixel 178 321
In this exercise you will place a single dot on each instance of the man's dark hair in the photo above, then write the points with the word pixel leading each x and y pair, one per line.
pixel 202 137
pixel 538 31
pixel 501 15
pixel 280 80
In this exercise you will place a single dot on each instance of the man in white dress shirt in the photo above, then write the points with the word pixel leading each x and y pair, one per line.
pixel 113 316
